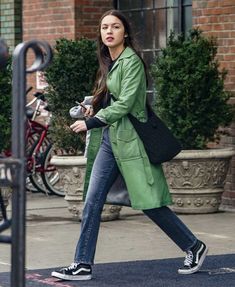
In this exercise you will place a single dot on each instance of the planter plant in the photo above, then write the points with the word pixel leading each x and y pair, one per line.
pixel 191 99
pixel 5 108
pixel 70 78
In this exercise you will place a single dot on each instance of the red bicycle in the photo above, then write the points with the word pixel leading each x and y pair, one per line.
pixel 42 175
pixel 39 149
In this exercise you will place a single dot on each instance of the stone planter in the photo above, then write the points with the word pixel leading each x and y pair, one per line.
pixel 196 179
pixel 72 173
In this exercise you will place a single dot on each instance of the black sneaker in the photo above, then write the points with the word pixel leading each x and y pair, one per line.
pixel 76 271
pixel 194 259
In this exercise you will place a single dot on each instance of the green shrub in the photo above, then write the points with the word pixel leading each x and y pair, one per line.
pixel 5 107
pixel 190 95
pixel 70 78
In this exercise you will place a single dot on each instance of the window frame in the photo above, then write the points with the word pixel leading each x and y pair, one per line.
pixel 181 5
pixel 151 52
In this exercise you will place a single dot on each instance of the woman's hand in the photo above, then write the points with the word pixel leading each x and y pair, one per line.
pixel 89 112
pixel 79 126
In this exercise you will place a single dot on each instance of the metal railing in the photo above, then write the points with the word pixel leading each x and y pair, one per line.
pixel 13 169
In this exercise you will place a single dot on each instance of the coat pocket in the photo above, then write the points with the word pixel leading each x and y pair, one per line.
pixel 128 145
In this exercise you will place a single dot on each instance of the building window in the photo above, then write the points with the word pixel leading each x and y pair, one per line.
pixel 153 21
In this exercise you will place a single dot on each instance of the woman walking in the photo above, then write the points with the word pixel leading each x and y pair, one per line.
pixel 115 148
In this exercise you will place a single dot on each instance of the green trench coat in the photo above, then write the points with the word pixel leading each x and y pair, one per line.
pixel 146 183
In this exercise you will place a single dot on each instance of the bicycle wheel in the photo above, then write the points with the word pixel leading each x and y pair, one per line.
pixel 30 187
pixel 50 175
pixel 35 166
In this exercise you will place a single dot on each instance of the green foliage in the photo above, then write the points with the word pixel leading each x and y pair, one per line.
pixel 190 95
pixel 70 77
pixel 5 107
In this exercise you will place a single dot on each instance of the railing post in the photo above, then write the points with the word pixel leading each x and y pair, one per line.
pixel 43 56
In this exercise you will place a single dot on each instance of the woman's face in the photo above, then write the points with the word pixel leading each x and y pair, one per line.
pixel 112 32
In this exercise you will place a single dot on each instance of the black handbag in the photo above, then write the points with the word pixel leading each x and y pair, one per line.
pixel 159 142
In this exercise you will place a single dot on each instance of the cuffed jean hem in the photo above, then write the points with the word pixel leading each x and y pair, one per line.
pixel 83 262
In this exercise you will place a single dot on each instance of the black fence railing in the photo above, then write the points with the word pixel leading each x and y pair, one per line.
pixel 13 169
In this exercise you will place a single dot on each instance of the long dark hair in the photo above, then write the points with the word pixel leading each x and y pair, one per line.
pixel 104 58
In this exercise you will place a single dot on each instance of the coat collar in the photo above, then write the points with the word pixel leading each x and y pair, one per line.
pixel 128 52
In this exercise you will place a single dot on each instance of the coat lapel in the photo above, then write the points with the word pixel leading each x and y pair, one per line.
pixel 128 52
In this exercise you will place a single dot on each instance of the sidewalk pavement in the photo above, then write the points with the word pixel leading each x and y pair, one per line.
pixel 52 235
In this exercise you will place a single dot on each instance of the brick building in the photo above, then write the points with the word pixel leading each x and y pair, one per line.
pixel 152 20
pixel 11 21
pixel 217 18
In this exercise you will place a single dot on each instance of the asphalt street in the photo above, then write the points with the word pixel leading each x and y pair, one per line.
pixel 52 234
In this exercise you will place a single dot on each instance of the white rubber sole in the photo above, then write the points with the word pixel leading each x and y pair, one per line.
pixel 71 277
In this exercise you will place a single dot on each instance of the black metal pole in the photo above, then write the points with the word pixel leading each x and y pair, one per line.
pixel 43 55
pixel 18 151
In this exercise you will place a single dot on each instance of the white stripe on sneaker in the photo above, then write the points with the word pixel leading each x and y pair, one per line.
pixel 79 270
pixel 198 252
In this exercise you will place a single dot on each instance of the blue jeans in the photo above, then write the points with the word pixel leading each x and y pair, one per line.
pixel 104 173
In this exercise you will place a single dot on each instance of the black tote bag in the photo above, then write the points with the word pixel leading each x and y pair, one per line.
pixel 159 142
